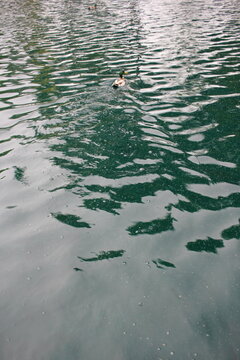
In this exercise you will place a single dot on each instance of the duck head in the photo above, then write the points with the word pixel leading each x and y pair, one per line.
pixel 123 72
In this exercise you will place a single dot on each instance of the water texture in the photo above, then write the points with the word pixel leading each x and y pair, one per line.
pixel 120 221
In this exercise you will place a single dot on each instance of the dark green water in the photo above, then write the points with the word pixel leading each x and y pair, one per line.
pixel 119 208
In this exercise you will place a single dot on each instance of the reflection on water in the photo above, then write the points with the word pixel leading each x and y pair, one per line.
pixel 71 220
pixel 161 264
pixel 209 245
pixel 104 255
pixel 152 227
pixel 120 208
pixel 233 232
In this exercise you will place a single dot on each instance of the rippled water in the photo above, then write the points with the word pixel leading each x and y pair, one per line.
pixel 119 208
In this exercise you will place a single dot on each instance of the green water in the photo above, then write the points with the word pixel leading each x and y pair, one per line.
pixel 119 208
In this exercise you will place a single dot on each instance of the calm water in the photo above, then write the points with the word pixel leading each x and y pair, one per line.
pixel 119 208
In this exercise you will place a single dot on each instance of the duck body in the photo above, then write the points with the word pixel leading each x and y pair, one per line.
pixel 120 81
pixel 92 7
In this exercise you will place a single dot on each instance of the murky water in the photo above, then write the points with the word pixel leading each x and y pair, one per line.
pixel 119 208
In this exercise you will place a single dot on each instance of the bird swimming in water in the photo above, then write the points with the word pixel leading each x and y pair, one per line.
pixel 92 7
pixel 121 80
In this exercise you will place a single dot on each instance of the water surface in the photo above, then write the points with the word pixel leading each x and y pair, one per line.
pixel 119 208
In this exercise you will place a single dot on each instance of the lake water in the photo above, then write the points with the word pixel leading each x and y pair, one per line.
pixel 119 208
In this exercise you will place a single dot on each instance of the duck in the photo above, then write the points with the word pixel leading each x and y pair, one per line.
pixel 121 80
pixel 92 7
